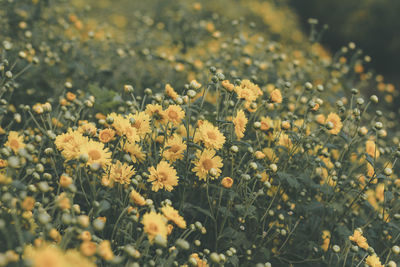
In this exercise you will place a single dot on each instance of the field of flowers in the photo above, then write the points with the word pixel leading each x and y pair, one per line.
pixel 184 133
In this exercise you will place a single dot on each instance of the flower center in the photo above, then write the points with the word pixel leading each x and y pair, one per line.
pixel 153 228
pixel 162 176
pixel 14 143
pixel 211 135
pixel 207 164
pixel 94 154
pixel 172 114
pixel 174 148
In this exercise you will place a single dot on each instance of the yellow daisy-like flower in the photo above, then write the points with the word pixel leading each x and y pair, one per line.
pixel 120 173
pixel 135 151
pixel 154 224
pixel 137 198
pixel 141 123
pixel 206 160
pixel 174 148
pixel 171 214
pixel 174 114
pixel 373 261
pixel 240 122
pixel 164 176
pixel 70 143
pixel 87 128
pixel 45 255
pixel 326 237
pixel 106 135
pixel 358 238
pixel 96 153
pixel 209 135
pixel 276 96
pixel 15 141
pixel 156 112
pixel 336 122
pixel 266 123
pixel 371 149
pixel 227 182
pixel 124 128
pixel 169 91
pixel 248 91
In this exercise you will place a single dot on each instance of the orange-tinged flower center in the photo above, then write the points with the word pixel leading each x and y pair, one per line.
pixel 162 176
pixel 94 154
pixel 207 164
pixel 14 144
pixel 153 228
pixel 211 135
pixel 174 148
pixel 172 114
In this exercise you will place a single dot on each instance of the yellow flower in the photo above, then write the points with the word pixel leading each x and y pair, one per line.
pixel 141 123
pixel 70 144
pixel 171 214
pixel 105 250
pixel 336 121
pixel 87 128
pixel 88 248
pixel 371 149
pixel 169 91
pixel 154 224
pixel 174 148
pixel 276 96
pixel 320 118
pixel 75 258
pixel 326 237
pixel 285 141
pixel 248 91
pixel 240 122
pixel 373 261
pixel 163 177
pixel 124 128
pixel 358 238
pixel 15 141
pixel 96 153
pixel 266 123
pixel 227 182
pixel 156 112
pixel 135 151
pixel 45 256
pixel 106 135
pixel 120 173
pixel 137 198
pixel 210 136
pixel 206 161
pixel 174 114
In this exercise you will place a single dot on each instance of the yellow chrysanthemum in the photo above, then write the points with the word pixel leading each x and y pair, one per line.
pixel 137 198
pixel 266 123
pixel 164 176
pixel 240 122
pixel 373 261
pixel 174 114
pixel 46 255
pixel 154 224
pixel 169 91
pixel 15 141
pixel 276 96
pixel 141 123
pixel 106 135
pixel 248 91
pixel 124 128
pixel 206 161
pixel 174 148
pixel 156 112
pixel 118 173
pixel 87 128
pixel 70 143
pixel 171 214
pixel 96 153
pixel 336 122
pixel 358 238
pixel 135 151
pixel 210 136
pixel 371 149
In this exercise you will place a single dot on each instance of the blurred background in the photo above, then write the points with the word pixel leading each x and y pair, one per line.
pixel 374 26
